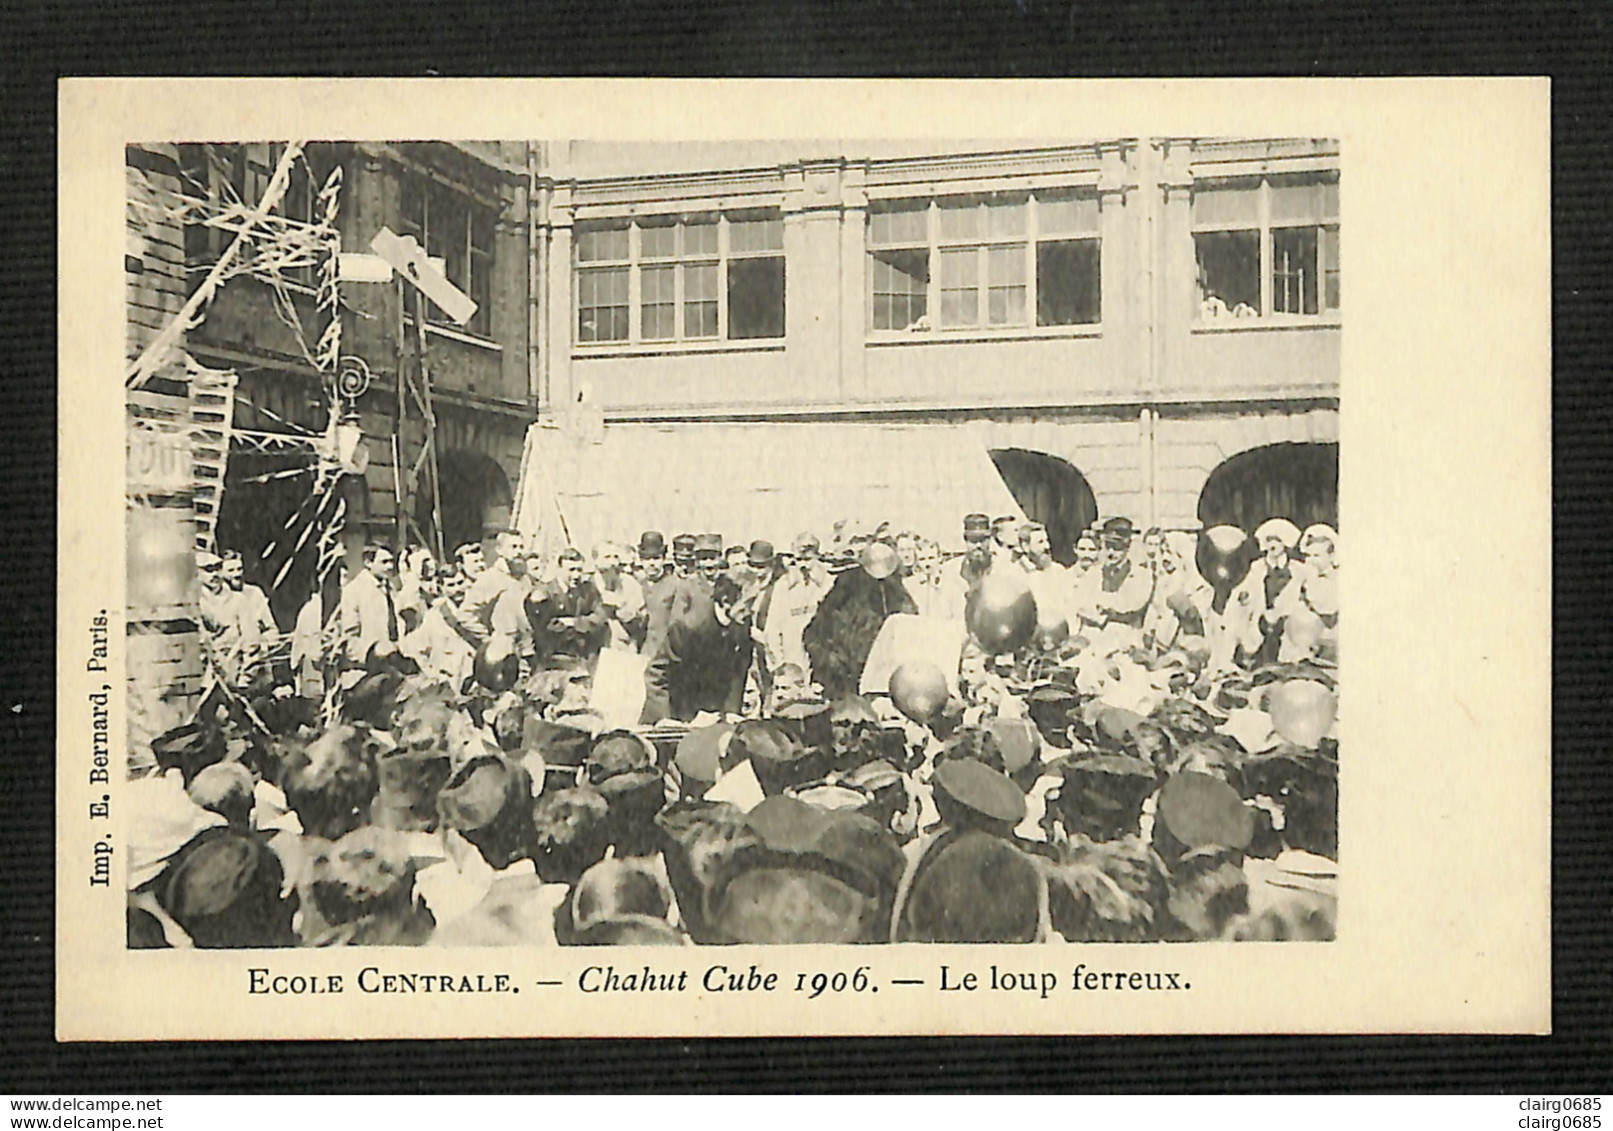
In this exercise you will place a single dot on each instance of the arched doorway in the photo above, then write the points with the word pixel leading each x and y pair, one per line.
pixel 1050 491
pixel 475 492
pixel 1299 482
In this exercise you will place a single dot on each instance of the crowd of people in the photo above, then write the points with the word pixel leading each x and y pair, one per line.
pixel 859 740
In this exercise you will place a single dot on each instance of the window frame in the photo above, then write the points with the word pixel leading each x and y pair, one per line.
pixel 682 261
pixel 983 242
pixel 480 326
pixel 1266 229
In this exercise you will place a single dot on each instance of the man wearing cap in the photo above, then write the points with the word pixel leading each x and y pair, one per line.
pixel 1269 579
pixel 709 559
pixel 676 593
pixel 683 557
pixel 1112 598
pixel 371 628
pixel 569 622
pixel 958 581
pixel 621 596
pixel 494 609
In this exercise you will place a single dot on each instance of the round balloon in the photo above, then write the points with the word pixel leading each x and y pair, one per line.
pixel 496 668
pixel 1302 711
pixel 880 560
pixel 1001 614
pixel 1224 556
pixel 919 691
pixel 1051 634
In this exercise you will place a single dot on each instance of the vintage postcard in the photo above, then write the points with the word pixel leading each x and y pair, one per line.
pixel 568 558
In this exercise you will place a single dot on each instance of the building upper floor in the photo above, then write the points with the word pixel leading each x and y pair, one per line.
pixel 677 279
pixel 466 203
pixel 772 276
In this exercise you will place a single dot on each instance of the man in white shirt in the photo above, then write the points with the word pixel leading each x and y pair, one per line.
pixel 371 628
pixel 1050 582
pixel 621 595
pixel 789 605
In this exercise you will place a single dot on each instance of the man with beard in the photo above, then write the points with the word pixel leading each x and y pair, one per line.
pixel 1112 598
pixel 702 662
pixel 494 610
pixel 621 596
pixel 1050 582
pixel 569 623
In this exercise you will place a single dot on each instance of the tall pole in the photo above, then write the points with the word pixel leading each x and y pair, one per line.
pixel 428 455
pixel 400 483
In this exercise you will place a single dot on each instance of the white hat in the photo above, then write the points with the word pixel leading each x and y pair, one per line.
pixel 1281 529
pixel 1322 531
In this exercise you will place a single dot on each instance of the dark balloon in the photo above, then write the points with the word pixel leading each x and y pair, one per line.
pixel 1224 556
pixel 1001 614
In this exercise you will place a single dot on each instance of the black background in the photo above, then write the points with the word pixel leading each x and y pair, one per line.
pixel 861 38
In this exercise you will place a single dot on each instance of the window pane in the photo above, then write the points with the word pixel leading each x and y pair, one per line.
pixel 656 284
pixel 960 268
pixel 901 282
pixel 960 220
pixel 601 243
pixel 448 234
pixel 1330 268
pixel 1293 270
pixel 756 298
pixel 602 305
pixel 660 322
pixel 960 308
pixel 1005 306
pixel 1006 265
pixel 960 301
pixel 481 292
pixel 903 224
pixel 700 300
pixel 658 242
pixel 1225 204
pixel 1068 283
pixel 700 238
pixel 1005 218
pixel 1066 215
pixel 411 210
pixel 755 235
pixel 700 282
pixel 659 302
pixel 1228 274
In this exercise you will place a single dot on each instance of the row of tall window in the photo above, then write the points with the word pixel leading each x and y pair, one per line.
pixel 1265 248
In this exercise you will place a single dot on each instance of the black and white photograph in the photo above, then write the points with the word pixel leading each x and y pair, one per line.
pixel 565 542
pixel 821 559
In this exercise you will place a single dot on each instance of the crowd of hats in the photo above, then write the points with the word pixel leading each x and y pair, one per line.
pixel 826 822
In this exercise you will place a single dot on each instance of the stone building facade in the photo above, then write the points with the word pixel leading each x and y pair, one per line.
pixel 1139 326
